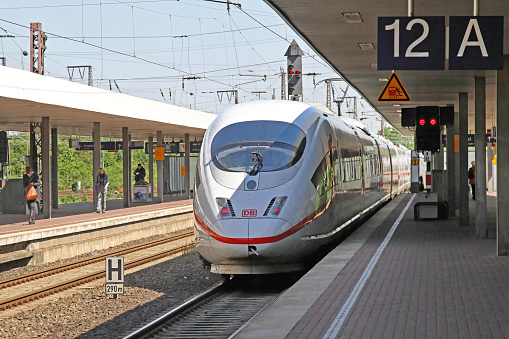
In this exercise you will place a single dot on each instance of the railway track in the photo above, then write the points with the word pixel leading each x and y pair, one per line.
pixel 58 285
pixel 220 312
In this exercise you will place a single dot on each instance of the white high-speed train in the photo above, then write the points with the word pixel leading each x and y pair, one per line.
pixel 277 180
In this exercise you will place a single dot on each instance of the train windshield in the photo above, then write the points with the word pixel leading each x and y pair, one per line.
pixel 265 145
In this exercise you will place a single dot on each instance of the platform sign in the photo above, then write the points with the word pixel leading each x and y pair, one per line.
pixel 159 153
pixel 418 43
pixel 178 148
pixel 114 275
pixel 471 140
pixel 394 90
pixel 476 42
pixel 411 43
pixel 107 145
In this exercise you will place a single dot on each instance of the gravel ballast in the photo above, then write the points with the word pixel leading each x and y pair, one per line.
pixel 89 313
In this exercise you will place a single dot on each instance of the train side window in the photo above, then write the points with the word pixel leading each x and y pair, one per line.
pixel 323 177
pixel 197 179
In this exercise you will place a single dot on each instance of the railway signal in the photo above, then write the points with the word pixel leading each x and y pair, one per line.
pixel 294 71
pixel 427 128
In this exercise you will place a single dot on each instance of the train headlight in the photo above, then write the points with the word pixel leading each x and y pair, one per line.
pixel 278 205
pixel 221 202
pixel 225 207
pixel 225 212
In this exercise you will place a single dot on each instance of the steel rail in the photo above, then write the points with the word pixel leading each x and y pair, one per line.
pixel 34 295
pixel 146 329
pixel 223 311
pixel 65 267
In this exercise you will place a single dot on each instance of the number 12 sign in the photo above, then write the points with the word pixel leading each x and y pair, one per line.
pixel 411 43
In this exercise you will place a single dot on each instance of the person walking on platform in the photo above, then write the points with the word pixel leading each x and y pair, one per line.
pixel 31 179
pixel 139 174
pixel 471 179
pixel 101 188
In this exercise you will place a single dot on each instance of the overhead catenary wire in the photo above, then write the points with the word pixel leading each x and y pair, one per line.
pixel 137 54
pixel 162 36
pixel 113 51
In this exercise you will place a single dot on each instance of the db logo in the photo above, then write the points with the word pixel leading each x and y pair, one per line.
pixel 248 213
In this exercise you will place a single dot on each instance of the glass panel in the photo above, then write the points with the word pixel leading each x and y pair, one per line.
pixel 280 145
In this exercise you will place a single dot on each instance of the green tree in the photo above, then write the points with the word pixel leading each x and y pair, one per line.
pixel 396 137
pixel 74 165
pixel 17 147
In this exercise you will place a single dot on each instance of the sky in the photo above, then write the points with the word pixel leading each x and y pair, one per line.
pixel 190 53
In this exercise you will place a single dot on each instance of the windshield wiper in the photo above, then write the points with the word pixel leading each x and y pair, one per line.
pixel 258 163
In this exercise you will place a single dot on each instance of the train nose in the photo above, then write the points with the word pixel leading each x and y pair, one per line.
pixel 268 237
pixel 231 238
pixel 250 238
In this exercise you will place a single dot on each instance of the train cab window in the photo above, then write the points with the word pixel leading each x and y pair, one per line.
pixel 279 144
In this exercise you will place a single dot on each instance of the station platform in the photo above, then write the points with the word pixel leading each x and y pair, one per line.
pixel 76 229
pixel 399 278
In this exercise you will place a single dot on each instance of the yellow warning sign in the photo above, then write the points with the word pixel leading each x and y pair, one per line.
pixel 394 90
pixel 415 161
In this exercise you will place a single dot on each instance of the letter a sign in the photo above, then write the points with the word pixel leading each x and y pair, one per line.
pixel 394 90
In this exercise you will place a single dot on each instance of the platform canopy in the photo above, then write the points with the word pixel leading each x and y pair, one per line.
pixel 73 108
pixel 323 25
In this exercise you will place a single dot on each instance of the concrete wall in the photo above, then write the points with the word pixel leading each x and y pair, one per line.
pixel 13 197
pixel 64 242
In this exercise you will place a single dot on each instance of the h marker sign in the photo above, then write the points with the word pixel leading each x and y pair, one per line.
pixel 114 275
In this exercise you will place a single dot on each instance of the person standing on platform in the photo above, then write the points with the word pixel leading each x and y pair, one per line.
pixel 101 188
pixel 139 174
pixel 31 179
pixel 471 179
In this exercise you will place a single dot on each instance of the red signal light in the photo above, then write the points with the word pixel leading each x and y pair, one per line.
pixel 422 122
pixel 297 72
pixel 225 211
pixel 290 72
pixel 433 122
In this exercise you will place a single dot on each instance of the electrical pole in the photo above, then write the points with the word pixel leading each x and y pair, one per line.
pixel 37 48
pixel 229 94
pixel 283 84
pixel 5 36
pixel 81 70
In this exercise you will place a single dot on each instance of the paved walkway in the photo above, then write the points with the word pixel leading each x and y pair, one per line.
pixel 80 212
pixel 398 278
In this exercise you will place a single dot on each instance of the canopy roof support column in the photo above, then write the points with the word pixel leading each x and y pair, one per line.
pixel 96 159
pixel 46 167
pixel 463 164
pixel 187 163
pixel 451 169
pixel 480 158
pixel 160 178
pixel 503 159
pixel 150 148
pixel 126 172
pixel 54 167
